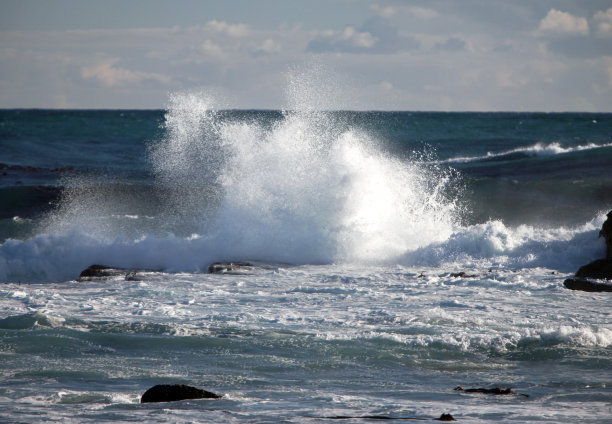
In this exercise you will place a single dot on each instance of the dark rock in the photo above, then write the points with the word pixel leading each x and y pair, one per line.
pixel 172 393
pixel 93 272
pixel 606 233
pixel 100 271
pixel 601 269
pixel 493 391
pixel 443 417
pixel 230 267
pixel 587 285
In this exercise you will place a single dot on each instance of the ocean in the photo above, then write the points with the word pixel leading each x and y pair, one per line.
pixel 397 255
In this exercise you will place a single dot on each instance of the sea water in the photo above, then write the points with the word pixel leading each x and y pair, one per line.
pixel 402 254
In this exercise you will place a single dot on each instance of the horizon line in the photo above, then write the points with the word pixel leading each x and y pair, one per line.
pixel 87 109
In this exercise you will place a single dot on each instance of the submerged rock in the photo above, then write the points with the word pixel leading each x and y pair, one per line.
pixel 446 417
pixel 175 392
pixel 463 274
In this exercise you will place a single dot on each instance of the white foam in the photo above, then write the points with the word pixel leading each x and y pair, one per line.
pixel 538 149
pixel 494 243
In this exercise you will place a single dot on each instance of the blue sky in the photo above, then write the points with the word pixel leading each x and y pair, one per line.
pixel 380 54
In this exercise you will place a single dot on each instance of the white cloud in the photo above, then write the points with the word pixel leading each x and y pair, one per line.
pixel 604 22
pixel 357 39
pixel 348 40
pixel 112 76
pixel 232 30
pixel 557 22
pixel 212 49
pixel 269 46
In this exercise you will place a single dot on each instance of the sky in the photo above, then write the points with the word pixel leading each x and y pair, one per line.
pixel 436 55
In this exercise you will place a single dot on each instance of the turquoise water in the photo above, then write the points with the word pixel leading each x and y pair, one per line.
pixel 363 221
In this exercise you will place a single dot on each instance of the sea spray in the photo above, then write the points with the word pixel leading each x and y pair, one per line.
pixel 187 161
pixel 310 189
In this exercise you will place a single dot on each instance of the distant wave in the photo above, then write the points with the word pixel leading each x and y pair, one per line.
pixel 538 149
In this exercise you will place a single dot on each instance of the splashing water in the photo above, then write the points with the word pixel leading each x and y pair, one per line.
pixel 309 189
pixel 303 187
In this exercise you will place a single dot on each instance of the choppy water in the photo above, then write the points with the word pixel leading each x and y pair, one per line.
pixel 366 217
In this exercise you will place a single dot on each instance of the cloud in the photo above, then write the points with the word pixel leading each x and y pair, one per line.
pixel 232 30
pixel 268 46
pixel 112 76
pixel 604 22
pixel 376 35
pixel 349 40
pixel 557 22
pixel 212 49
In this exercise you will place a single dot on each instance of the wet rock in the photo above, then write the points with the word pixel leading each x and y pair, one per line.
pixel 593 277
pixel 443 417
pixel 587 285
pixel 175 392
pixel 601 269
pixel 596 276
pixel 243 267
pixel 230 267
pixel 606 233
pixel 100 271
pixel 94 272
pixel 493 391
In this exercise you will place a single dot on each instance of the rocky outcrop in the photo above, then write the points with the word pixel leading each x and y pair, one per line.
pixel 593 277
pixel 175 392
pixel 601 269
pixel 596 276
pixel 584 284
pixel 100 271
pixel 230 267
pixel 606 233
pixel 94 272
pixel 243 267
